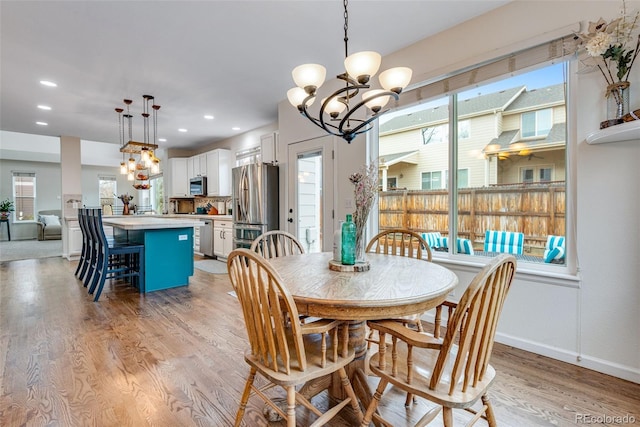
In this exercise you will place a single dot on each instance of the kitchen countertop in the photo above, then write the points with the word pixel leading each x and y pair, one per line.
pixel 200 216
pixel 182 216
pixel 148 222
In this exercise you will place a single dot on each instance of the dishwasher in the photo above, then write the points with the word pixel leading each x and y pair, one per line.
pixel 206 237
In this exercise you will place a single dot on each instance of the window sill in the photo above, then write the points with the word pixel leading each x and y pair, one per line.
pixel 623 132
pixel 551 274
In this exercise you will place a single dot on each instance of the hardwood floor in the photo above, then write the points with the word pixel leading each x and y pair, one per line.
pixel 174 358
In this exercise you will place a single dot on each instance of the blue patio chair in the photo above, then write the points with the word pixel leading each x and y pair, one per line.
pixel 554 250
pixel 508 242
pixel 433 239
pixel 464 246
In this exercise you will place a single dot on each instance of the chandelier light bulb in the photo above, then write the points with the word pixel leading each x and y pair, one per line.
pixel 123 168
pixel 297 95
pixel 363 65
pixel 395 79
pixel 334 107
pixel 375 103
pixel 132 164
pixel 144 155
pixel 309 76
pixel 130 176
pixel 155 166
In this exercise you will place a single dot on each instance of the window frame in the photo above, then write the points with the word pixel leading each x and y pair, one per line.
pixel 536 128
pixel 568 270
pixel 14 217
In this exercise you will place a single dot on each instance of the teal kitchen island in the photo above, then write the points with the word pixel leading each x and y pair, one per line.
pixel 168 247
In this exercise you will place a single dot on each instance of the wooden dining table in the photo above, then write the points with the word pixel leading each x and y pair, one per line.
pixel 394 286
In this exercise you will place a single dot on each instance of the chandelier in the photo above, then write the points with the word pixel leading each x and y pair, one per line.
pixel 146 163
pixel 360 67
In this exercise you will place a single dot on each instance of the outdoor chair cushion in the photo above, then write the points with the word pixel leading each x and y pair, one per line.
pixel 464 246
pixel 509 242
pixel 554 249
pixel 433 239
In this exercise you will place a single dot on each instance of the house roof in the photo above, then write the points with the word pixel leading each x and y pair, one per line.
pixel 476 105
pixel 508 139
pixel 392 159
pixel 538 97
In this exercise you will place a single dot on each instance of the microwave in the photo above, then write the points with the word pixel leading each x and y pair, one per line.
pixel 198 186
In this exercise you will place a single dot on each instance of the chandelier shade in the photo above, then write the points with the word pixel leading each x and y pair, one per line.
pixel 363 65
pixel 337 113
pixel 309 76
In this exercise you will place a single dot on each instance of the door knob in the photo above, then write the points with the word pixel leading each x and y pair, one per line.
pixel 290 220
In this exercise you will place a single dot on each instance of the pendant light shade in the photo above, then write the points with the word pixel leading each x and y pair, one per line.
pixel 333 107
pixel 375 99
pixel 297 95
pixel 309 76
pixel 395 79
pixel 363 65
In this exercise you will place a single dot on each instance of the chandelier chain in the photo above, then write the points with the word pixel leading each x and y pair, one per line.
pixel 346 29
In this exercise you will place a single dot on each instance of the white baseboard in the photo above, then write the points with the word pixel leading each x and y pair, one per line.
pixel 617 370
pixel 595 364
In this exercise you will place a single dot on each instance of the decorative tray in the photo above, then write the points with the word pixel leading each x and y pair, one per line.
pixel 359 266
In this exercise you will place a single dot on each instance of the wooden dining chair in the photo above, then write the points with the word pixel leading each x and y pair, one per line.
pixel 453 372
pixel 276 243
pixel 279 350
pixel 401 242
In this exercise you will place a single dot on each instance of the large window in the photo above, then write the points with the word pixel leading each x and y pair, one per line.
pixel 432 180
pixel 24 196
pixel 510 179
pixel 537 123
pixel 157 194
pixel 107 188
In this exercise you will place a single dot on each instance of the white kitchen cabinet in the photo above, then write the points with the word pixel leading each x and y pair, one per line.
pixel 196 240
pixel 74 237
pixel 219 172
pixel 178 177
pixel 197 165
pixel 269 147
pixel 222 238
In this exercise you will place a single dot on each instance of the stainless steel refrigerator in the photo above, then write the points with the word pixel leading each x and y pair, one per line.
pixel 255 202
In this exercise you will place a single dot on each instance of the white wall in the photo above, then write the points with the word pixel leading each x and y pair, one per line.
pixel 591 318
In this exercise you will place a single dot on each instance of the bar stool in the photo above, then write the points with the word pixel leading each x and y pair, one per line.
pixel 5 220
pixel 114 259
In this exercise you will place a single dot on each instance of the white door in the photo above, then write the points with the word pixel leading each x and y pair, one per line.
pixel 311 194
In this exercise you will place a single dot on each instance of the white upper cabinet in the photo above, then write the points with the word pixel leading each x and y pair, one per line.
pixel 197 165
pixel 179 179
pixel 269 147
pixel 218 172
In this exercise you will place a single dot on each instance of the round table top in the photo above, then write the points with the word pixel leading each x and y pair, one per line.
pixel 394 286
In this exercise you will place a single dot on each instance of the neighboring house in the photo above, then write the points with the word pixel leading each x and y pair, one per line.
pixel 511 136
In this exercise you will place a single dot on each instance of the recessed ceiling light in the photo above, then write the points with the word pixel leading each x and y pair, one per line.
pixel 44 107
pixel 48 83
pixel 235 128
pixel 162 139
pixel 42 123
pixel 208 117
pixel 182 130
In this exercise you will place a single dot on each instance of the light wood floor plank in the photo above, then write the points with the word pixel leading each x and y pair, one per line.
pixel 174 358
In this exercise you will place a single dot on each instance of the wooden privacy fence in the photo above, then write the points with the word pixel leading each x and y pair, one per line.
pixel 537 210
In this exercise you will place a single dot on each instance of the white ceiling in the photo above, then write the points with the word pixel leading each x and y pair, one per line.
pixel 231 59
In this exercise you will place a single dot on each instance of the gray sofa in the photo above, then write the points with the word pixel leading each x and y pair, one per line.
pixel 49 224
